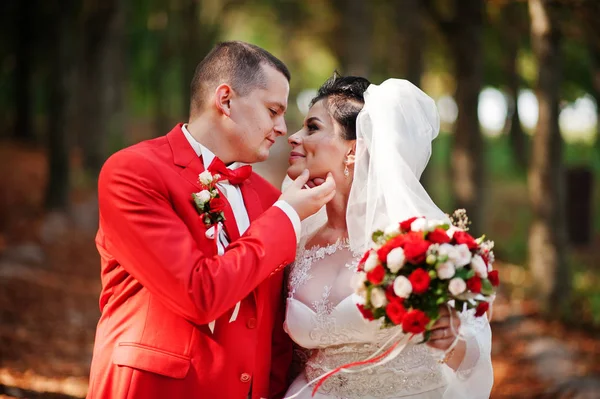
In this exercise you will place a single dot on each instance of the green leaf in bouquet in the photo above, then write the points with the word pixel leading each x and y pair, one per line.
pixel 378 313
pixel 459 305
pixel 441 300
pixel 377 235
pixel 462 273
pixel 470 274
pixel 486 287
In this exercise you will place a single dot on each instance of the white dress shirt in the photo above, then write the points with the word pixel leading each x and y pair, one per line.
pixel 235 199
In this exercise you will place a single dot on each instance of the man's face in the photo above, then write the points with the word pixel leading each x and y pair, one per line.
pixel 259 117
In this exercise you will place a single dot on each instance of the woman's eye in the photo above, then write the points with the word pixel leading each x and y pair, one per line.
pixel 312 128
pixel 273 111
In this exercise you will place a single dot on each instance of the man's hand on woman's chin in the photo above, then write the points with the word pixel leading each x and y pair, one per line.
pixel 317 181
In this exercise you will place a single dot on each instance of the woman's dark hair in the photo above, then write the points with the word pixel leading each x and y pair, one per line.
pixel 344 96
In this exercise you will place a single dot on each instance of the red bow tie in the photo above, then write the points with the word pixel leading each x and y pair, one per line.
pixel 234 176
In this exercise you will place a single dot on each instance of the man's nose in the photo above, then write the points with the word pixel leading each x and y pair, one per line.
pixel 280 127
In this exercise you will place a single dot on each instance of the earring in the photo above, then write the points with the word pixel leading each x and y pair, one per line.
pixel 346 171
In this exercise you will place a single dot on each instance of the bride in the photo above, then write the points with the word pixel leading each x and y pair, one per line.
pixel 376 142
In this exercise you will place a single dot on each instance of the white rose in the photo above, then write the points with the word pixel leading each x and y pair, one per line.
pixel 371 262
pixel 479 266
pixel 358 282
pixel 445 270
pixel 419 224
pixel 433 224
pixel 402 287
pixel 205 177
pixel 457 286
pixel 378 299
pixel 450 232
pixel 392 229
pixel 446 249
pixel 203 196
pixel 461 256
pixel 396 259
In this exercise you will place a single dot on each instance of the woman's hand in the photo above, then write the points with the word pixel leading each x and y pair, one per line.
pixel 443 333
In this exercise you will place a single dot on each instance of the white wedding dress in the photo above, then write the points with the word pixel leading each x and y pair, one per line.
pixel 322 318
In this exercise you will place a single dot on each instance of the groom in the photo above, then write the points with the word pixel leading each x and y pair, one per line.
pixel 186 314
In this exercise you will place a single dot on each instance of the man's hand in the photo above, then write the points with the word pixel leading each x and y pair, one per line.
pixel 317 181
pixel 307 201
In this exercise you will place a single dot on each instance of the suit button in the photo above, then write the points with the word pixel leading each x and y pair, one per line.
pixel 245 377
pixel 251 323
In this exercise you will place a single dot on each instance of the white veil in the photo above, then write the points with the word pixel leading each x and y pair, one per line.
pixel 394 131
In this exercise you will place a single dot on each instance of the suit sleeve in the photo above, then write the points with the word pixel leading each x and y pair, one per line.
pixel 151 242
pixel 281 352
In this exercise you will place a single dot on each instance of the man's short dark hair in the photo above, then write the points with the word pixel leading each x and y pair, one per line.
pixel 236 63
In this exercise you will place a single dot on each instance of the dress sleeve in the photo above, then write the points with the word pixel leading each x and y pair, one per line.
pixel 474 377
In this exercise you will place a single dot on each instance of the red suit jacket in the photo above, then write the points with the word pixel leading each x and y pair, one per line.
pixel 162 283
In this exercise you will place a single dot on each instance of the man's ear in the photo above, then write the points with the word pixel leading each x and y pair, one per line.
pixel 223 95
pixel 351 154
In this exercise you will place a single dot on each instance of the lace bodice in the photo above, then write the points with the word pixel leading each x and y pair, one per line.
pixel 322 317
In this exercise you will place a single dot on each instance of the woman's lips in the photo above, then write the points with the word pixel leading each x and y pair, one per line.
pixel 295 156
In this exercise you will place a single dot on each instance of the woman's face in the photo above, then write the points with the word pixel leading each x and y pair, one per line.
pixel 319 146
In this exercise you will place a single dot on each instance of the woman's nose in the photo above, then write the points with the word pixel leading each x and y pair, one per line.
pixel 294 139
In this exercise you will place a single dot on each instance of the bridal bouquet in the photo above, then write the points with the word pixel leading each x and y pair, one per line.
pixel 418 265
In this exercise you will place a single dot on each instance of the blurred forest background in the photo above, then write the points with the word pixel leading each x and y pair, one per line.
pixel 518 88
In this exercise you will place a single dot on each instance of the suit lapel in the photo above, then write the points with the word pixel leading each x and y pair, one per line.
pixel 185 156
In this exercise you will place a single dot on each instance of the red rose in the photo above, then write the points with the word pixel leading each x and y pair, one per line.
pixel 395 242
pixel 494 278
pixel 482 307
pixel 217 204
pixel 438 236
pixel 366 313
pixel 462 237
pixel 485 258
pixel 376 275
pixel 365 257
pixel 405 226
pixel 420 281
pixel 396 312
pixel 474 284
pixel 414 322
pixel 391 296
pixel 361 264
pixel 415 250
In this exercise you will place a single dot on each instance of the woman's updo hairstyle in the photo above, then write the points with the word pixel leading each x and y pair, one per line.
pixel 344 96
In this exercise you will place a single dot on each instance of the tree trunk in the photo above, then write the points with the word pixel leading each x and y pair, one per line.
pixel 58 142
pixel 547 237
pixel 23 129
pixel 356 34
pixel 516 135
pixel 467 150
pixel 94 117
pixel 197 39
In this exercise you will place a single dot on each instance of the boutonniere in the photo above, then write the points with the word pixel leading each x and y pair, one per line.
pixel 208 202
